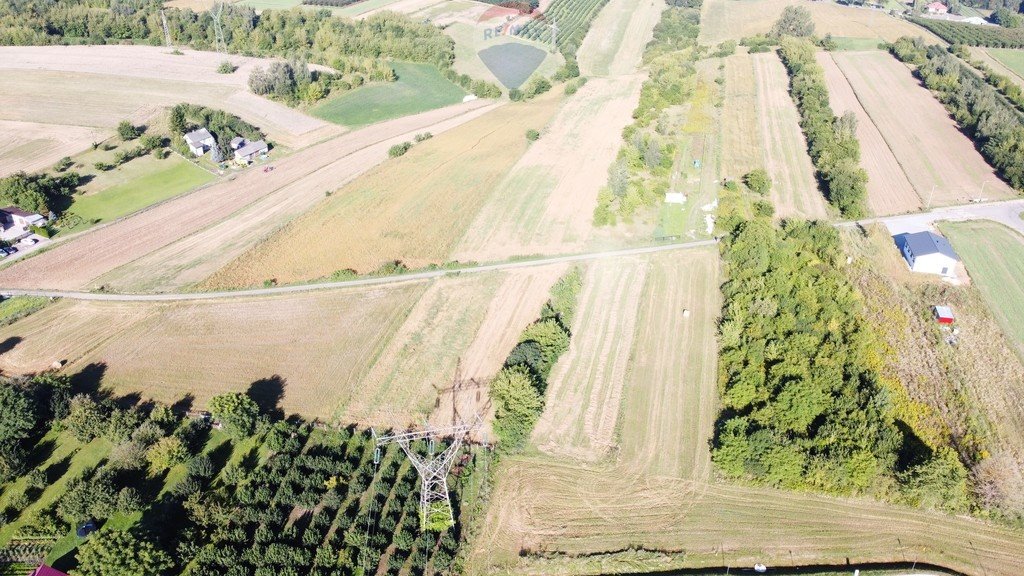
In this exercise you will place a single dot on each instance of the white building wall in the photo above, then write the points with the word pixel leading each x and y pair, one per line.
pixel 935 264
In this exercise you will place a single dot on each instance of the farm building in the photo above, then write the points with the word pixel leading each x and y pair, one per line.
pixel 250 151
pixel 199 141
pixel 936 8
pixel 16 222
pixel 943 314
pixel 928 253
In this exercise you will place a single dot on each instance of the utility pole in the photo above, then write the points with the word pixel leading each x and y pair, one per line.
pixel 435 504
pixel 222 45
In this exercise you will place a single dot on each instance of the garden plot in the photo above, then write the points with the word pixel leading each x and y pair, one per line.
pixel 32 147
pixel 794 189
pixel 939 161
pixel 218 214
pixel 889 191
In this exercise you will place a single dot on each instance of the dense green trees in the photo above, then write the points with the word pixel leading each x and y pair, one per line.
pixel 795 21
pixel 119 553
pixel 758 181
pixel 832 141
pixel 40 193
pixel 237 412
pixel 993 122
pixel 223 126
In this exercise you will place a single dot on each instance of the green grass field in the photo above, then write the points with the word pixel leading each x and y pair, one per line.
pixel 848 43
pixel 994 256
pixel 13 309
pixel 175 176
pixel 420 87
pixel 1012 59
pixel 271 4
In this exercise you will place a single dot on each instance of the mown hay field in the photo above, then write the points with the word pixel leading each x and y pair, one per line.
pixel 889 191
pixel 742 147
pixel 994 256
pixel 735 19
pixel 919 132
pixel 794 189
pixel 32 147
pixel 1012 59
pixel 413 208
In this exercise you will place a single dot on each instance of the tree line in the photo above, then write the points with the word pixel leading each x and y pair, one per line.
pixel 640 174
pixel 39 193
pixel 831 141
pixel 991 120
pixel 805 400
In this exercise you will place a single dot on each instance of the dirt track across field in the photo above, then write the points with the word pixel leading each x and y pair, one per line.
pixel 78 262
pixel 889 191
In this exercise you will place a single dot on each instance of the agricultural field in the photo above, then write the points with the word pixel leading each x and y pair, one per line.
pixel 889 191
pixel 419 88
pixel 994 256
pixel 1011 59
pixel 185 244
pixel 444 180
pixel 617 38
pixel 919 132
pixel 794 189
pixel 730 19
pixel 32 147
pixel 106 84
pixel 161 180
pixel 742 150
pixel 507 60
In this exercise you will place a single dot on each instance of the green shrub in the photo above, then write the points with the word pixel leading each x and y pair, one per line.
pixel 532 135
pixel 399 149
pixel 758 181
pixel 226 67
pixel 127 131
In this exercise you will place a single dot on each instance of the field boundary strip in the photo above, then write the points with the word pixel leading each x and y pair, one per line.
pixel 398 278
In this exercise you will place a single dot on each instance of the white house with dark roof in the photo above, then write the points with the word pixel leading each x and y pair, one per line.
pixel 199 141
pixel 237 142
pixel 250 151
pixel 928 253
pixel 16 223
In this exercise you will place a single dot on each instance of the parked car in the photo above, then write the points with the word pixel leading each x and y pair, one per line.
pixel 9 250
pixel 28 241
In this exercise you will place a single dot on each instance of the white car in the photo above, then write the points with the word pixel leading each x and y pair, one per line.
pixel 28 241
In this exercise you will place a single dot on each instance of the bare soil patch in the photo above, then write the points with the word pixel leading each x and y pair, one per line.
pixel 934 154
pixel 794 189
pixel 889 191
pixel 79 262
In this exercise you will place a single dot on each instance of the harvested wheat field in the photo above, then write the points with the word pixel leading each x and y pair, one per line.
pixel 615 43
pixel 413 208
pixel 919 132
pixel 31 147
pixel 545 204
pixel 544 504
pixel 735 19
pixel 320 344
pixel 80 261
pixel 670 402
pixel 585 389
pixel 889 191
pixel 794 189
pixel 102 85
pixel 742 146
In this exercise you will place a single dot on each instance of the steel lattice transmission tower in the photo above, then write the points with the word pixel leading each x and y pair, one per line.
pixel 435 505
pixel 220 43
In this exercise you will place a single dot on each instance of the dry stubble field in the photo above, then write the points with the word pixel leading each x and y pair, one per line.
pixel 794 189
pixel 735 19
pixel 31 146
pixel 919 132
pixel 413 208
pixel 102 85
pixel 889 191
pixel 742 148
pixel 79 262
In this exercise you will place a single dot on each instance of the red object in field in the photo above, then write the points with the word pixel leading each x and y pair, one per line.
pixel 943 314
pixel 45 570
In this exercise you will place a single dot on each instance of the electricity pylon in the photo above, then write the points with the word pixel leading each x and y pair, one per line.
pixel 435 505
pixel 220 44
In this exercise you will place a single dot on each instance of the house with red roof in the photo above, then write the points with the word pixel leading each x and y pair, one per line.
pixel 936 8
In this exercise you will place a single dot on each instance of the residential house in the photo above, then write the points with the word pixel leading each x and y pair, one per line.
pixel 17 223
pixel 250 151
pixel 928 253
pixel 199 141
pixel 936 8
pixel 237 142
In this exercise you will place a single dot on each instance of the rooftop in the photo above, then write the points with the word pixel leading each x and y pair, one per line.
pixel 197 136
pixel 15 211
pixel 252 148
pixel 922 243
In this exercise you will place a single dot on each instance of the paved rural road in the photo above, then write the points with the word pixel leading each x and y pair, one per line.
pixel 1007 212
pixel 168 297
